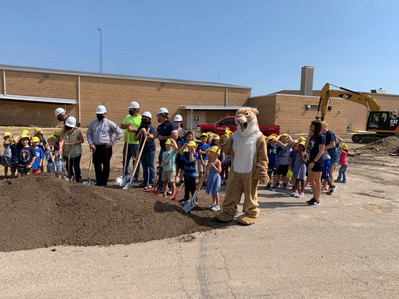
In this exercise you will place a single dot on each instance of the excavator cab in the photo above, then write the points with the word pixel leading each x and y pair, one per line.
pixel 383 122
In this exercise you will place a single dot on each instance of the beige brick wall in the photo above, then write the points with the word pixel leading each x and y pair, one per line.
pixel 267 108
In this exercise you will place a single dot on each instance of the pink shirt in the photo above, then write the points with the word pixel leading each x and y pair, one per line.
pixel 343 158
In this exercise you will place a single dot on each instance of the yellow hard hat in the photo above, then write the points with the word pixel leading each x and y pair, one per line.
pixel 7 134
pixel 25 132
pixel 191 143
pixel 169 142
pixel 302 143
pixel 24 136
pixel 345 146
pixel 216 137
pixel 57 133
pixel 215 149
pixel 228 131
pixel 301 138
pixel 35 139
pixel 51 137
pixel 37 131
pixel 204 135
pixel 272 137
pixel 284 135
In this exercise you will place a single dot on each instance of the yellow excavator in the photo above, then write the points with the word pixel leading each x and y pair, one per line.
pixel 380 124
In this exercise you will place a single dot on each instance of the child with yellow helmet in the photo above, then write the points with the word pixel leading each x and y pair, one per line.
pixel 168 166
pixel 214 180
pixel 26 155
pixel 203 158
pixel 190 174
pixel 36 166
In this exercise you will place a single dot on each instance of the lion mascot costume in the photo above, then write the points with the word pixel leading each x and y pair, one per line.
pixel 247 148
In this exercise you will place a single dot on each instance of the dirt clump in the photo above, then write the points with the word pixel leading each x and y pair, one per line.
pixel 41 211
pixel 385 146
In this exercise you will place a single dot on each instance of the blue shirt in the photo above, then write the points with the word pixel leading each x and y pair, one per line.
pixel 272 155
pixel 203 147
pixel 166 129
pixel 190 167
pixel 39 156
pixel 293 158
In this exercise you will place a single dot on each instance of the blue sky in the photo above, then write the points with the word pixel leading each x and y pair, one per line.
pixel 261 44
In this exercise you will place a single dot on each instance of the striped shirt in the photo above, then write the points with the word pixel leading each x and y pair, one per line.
pixel 101 132
pixel 189 167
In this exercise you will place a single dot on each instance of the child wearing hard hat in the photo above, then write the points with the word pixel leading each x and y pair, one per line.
pixel 26 156
pixel 42 142
pixel 53 158
pixel 203 158
pixel 39 155
pixel 7 154
pixel 300 169
pixel 214 180
pixel 343 161
pixel 168 166
pixel 272 148
pixel 283 154
pixel 190 174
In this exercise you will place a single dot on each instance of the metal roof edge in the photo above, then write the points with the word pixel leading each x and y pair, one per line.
pixel 116 76
pixel 37 99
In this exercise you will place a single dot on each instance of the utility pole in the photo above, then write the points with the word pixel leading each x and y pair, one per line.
pixel 101 49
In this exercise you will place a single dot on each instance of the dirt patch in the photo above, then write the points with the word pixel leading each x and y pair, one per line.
pixel 41 211
pixel 386 146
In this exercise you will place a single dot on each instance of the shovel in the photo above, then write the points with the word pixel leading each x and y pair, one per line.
pixel 122 180
pixel 177 192
pixel 65 176
pixel 130 184
pixel 154 189
pixel 88 182
pixel 193 202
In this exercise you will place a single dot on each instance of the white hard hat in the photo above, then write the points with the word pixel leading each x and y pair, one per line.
pixel 59 111
pixel 134 105
pixel 178 117
pixel 70 122
pixel 146 113
pixel 162 110
pixel 101 109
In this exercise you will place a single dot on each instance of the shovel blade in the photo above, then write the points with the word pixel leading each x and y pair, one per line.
pixel 128 185
pixel 188 207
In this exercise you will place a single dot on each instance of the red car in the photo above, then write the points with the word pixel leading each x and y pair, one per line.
pixel 228 122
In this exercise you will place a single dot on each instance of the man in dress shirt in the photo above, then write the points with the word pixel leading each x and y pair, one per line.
pixel 100 137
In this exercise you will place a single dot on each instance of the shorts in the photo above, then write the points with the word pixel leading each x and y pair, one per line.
pixel 200 167
pixel 23 169
pixel 55 167
pixel 271 170
pixel 334 154
pixel 35 171
pixel 318 167
pixel 179 163
pixel 326 169
pixel 6 161
pixel 168 176
pixel 14 165
pixel 282 169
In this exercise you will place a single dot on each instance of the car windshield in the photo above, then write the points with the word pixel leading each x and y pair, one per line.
pixel 218 121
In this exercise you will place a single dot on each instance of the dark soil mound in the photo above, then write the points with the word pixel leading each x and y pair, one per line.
pixel 41 211
pixel 386 146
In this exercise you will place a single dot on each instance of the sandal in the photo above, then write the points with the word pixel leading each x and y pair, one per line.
pixel 148 188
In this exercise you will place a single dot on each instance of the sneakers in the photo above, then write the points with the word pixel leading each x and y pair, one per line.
pixel 294 194
pixel 268 186
pixel 169 193
pixel 337 181
pixel 310 200
pixel 184 200
pixel 285 186
pixel 215 208
pixel 313 202
pixel 211 206
pixel 300 195
pixel 343 182
pixel 273 188
pixel 332 190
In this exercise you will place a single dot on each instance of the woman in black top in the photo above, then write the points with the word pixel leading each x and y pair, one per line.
pixel 316 142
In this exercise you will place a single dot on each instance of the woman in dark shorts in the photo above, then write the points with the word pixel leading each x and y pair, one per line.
pixel 316 142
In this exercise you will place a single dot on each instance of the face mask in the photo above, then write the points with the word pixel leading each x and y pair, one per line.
pixel 59 118
pixel 67 128
pixel 100 117
pixel 145 121
pixel 131 112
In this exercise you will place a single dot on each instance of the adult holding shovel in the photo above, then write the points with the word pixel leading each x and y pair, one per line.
pixel 130 124
pixel 70 143
pixel 148 155
pixel 100 136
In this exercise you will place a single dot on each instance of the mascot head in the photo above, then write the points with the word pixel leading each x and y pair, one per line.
pixel 247 121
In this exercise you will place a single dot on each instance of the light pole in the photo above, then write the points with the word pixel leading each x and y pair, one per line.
pixel 101 49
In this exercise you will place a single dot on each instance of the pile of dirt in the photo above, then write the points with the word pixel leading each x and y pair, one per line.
pixel 41 211
pixel 386 146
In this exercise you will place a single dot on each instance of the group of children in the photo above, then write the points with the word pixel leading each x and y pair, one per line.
pixel 185 161
pixel 25 154
pixel 288 159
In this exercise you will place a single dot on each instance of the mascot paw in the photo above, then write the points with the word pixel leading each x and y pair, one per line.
pixel 224 217
pixel 244 219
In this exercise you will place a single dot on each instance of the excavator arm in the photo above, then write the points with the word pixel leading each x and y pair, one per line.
pixel 347 94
